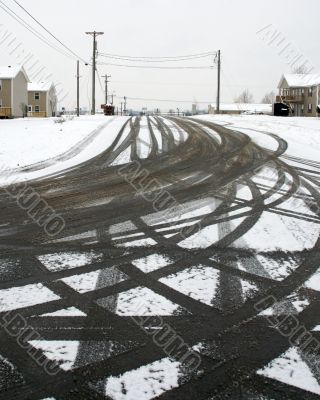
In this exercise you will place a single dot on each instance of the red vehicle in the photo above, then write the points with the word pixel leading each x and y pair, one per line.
pixel 108 109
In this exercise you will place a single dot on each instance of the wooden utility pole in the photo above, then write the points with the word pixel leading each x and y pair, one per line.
pixel 218 84
pixel 78 88
pixel 125 105
pixel 94 34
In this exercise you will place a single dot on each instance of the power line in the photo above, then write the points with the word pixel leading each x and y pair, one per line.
pixel 99 80
pixel 16 17
pixel 198 55
pixel 51 34
pixel 165 100
pixel 156 66
pixel 160 60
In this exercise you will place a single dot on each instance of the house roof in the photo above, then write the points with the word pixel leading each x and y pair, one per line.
pixel 39 86
pixel 10 72
pixel 300 80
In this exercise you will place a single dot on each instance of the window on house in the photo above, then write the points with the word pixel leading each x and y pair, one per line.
pixel 37 96
pixel 310 90
pixel 37 108
pixel 0 85
pixel 0 103
pixel 309 108
pixel 302 91
pixel 29 108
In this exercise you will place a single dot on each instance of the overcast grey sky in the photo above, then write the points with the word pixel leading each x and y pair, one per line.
pixel 168 28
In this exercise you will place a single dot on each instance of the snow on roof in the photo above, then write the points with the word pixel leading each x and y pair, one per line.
pixel 300 80
pixel 10 72
pixel 39 86
pixel 244 107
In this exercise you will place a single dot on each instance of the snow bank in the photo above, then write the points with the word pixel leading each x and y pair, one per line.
pixel 31 147
pixel 301 133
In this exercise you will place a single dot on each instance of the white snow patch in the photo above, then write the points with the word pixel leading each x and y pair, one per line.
pixel 183 211
pixel 146 382
pixel 151 262
pixel 138 243
pixel 301 134
pixel 25 296
pixel 293 304
pixel 277 232
pixel 63 351
pixel 144 139
pixel 278 270
pixel 316 329
pixel 123 158
pixel 122 228
pixel 158 136
pixel 200 283
pixel 202 239
pixel 83 235
pixel 57 146
pixel 66 312
pixel 90 281
pixel 314 281
pixel 143 302
pixel 69 260
pixel 290 369
pixel 248 289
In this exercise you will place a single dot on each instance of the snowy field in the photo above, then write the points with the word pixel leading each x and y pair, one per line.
pixel 35 147
pixel 302 134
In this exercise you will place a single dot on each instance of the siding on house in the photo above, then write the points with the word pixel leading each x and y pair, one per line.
pixel 14 91
pixel 20 95
pixel 42 102
pixel 47 101
pixel 5 93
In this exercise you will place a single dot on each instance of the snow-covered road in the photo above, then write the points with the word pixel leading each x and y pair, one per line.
pixel 187 242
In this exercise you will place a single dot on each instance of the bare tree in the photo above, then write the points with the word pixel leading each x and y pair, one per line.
pixel 24 109
pixel 244 97
pixel 269 98
pixel 301 69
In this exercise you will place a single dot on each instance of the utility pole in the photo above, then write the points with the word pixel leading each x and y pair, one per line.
pixel 106 85
pixel 94 34
pixel 112 99
pixel 125 105
pixel 121 108
pixel 218 84
pixel 78 88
